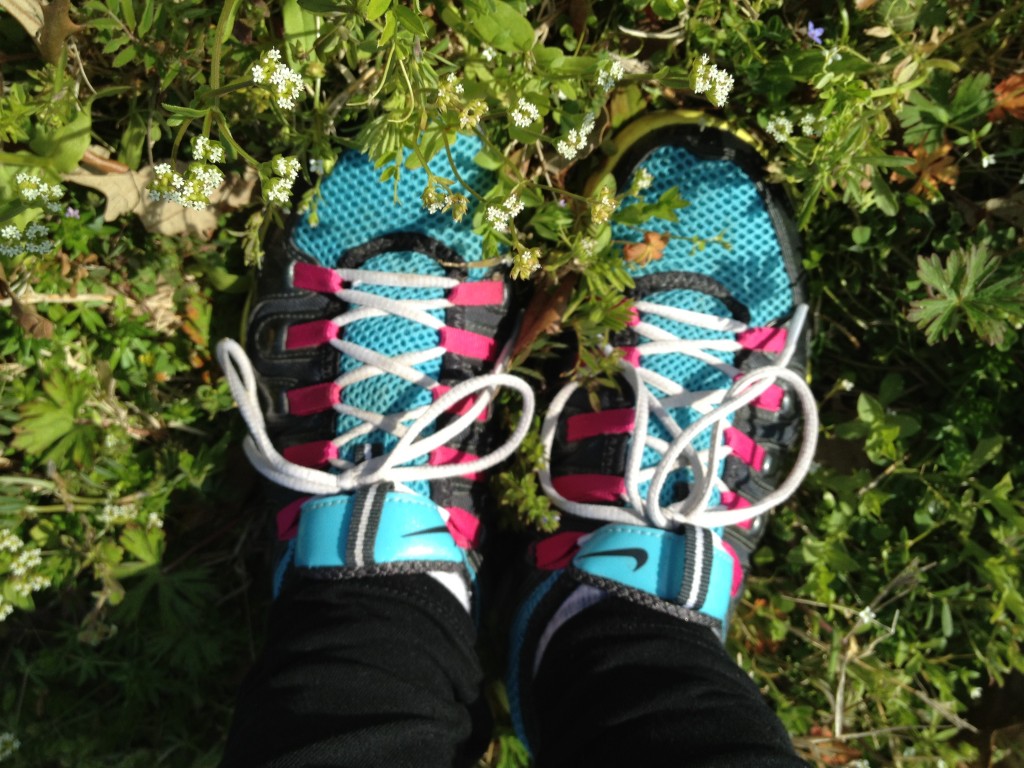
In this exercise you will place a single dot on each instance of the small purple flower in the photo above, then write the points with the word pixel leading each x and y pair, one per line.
pixel 72 213
pixel 814 32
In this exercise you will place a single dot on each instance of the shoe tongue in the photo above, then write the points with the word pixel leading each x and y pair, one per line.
pixel 389 336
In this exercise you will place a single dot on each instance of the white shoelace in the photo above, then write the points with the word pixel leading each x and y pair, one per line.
pixel 406 426
pixel 715 408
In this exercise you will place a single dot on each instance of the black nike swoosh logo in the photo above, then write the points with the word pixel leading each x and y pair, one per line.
pixel 638 554
pixel 425 531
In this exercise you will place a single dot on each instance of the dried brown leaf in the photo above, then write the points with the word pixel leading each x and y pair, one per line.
pixel 34 324
pixel 126 193
pixel 28 13
pixel 651 249
pixel 544 312
pixel 931 168
pixel 1009 98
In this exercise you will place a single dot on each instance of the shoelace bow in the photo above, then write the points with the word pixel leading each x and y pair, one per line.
pixel 715 408
pixel 407 426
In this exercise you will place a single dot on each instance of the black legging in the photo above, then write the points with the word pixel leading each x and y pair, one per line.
pixel 383 672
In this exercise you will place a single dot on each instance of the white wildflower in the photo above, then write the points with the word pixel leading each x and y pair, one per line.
pixel 976 693
pixel 205 150
pixel 471 114
pixel 287 167
pixel 286 84
pixel 809 125
pixel 28 560
pixel 525 263
pixel 278 191
pixel 987 160
pixel 525 114
pixel 10 232
pixel 501 216
pixel 117 514
pixel 34 583
pixel 448 92
pixel 780 128
pixel 605 206
pixel 587 246
pixel 866 615
pixel 9 743
pixel 6 609
pixel 488 53
pixel 10 541
pixel 708 78
pixel 154 521
pixel 642 180
pixel 316 166
pixel 609 74
pixel 577 139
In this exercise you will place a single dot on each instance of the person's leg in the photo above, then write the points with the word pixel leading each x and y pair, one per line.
pixel 362 672
pixel 373 352
pixel 664 485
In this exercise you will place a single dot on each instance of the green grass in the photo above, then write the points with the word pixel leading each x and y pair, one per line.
pixel 886 599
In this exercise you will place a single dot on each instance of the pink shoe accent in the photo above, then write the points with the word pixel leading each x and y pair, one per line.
pixel 737 570
pixel 744 448
pixel 311 277
pixel 770 399
pixel 732 500
pixel 634 317
pixel 631 355
pixel 317 398
pixel 311 334
pixel 594 488
pixel 288 519
pixel 557 551
pixel 763 339
pixel 464 527
pixel 447 455
pixel 614 421
pixel 314 454
pixel 461 406
pixel 469 344
pixel 484 293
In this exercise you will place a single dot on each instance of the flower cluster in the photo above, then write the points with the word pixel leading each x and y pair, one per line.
pixel 471 114
pixel 117 514
pixel 525 114
pixel 26 561
pixel 36 192
pixel 501 216
pixel 9 743
pixel 192 190
pixel 35 238
pixel 278 188
pixel 810 125
pixel 577 139
pixel 6 609
pixel 448 92
pixel 284 81
pixel 609 74
pixel 26 586
pixel 780 128
pixel 525 262
pixel 10 541
pixel 708 78
pixel 206 151
pixel 602 210
pixel 642 181
pixel 439 200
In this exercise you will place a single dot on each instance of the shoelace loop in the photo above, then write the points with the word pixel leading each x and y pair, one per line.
pixel 715 408
pixel 408 426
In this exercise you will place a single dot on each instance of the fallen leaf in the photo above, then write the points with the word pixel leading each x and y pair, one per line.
pixel 1009 98
pixel 544 312
pixel 931 168
pixel 1009 208
pixel 651 249
pixel 863 5
pixel 57 28
pixel 28 13
pixel 126 193
pixel 34 324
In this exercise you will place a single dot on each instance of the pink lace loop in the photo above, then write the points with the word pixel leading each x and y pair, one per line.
pixel 732 500
pixel 593 488
pixel 305 401
pixel 770 399
pixel 464 527
pixel 763 339
pixel 469 344
pixel 288 519
pixel 311 334
pixel 737 569
pixel 483 293
pixel 447 455
pixel 744 448
pixel 557 551
pixel 460 407
pixel 614 421
pixel 315 454
pixel 631 355
pixel 312 277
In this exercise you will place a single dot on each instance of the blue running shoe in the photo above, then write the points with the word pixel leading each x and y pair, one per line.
pixel 374 348
pixel 664 489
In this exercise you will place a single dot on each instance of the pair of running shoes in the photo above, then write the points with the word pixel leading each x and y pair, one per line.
pixel 376 346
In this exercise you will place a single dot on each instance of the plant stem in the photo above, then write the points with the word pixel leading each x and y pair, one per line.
pixel 224 23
